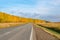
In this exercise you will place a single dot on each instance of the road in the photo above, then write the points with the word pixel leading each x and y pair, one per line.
pixel 18 33
pixel 25 32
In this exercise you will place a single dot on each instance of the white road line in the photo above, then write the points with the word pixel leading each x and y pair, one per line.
pixel 31 37
pixel 8 32
pixel 16 35
pixel 4 34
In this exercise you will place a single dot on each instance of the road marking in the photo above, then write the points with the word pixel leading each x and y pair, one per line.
pixel 31 36
pixel 4 34
pixel 20 35
pixel 9 32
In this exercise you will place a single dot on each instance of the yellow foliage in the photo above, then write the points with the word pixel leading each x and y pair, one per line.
pixel 39 21
pixel 6 18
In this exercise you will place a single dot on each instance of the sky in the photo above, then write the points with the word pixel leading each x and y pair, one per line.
pixel 40 9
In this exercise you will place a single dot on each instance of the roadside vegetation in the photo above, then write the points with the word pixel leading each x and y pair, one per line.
pixel 52 28
pixel 7 25
pixel 51 25
pixel 7 20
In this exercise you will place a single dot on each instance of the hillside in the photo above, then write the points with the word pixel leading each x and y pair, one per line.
pixel 7 18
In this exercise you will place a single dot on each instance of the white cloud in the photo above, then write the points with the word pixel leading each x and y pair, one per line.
pixel 55 2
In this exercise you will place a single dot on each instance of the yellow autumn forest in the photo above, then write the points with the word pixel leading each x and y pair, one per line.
pixel 7 18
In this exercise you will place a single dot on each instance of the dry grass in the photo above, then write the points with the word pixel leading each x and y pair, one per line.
pixel 51 25
pixel 53 33
pixel 7 25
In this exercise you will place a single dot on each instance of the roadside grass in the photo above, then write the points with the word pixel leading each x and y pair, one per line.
pixel 51 25
pixel 50 31
pixel 7 25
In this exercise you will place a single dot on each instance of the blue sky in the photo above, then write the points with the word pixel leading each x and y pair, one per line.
pixel 40 9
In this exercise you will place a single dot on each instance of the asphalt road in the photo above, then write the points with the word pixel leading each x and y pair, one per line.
pixel 17 33
pixel 25 32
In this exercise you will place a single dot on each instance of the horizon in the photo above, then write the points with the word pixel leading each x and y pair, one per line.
pixel 39 9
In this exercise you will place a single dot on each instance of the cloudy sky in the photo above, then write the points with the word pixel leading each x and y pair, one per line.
pixel 40 9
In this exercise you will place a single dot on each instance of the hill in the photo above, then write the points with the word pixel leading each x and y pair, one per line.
pixel 7 18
